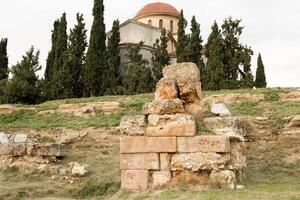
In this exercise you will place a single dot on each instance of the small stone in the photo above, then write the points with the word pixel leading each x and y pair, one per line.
pixel 79 169
pixel 20 138
pixel 240 187
pixel 4 138
pixel 220 109
pixel 224 179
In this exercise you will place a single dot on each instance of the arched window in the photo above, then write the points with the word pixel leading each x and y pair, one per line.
pixel 161 24
pixel 150 22
pixel 171 26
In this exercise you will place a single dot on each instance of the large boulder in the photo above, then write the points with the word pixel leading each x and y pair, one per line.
pixel 187 78
pixel 162 107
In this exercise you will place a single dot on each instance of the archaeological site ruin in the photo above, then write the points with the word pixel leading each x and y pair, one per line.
pixel 163 147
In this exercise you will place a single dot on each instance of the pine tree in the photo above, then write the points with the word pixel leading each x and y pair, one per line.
pixel 50 63
pixel 260 81
pixel 214 75
pixel 3 59
pixel 23 86
pixel 160 55
pixel 112 78
pixel 182 40
pixel 96 59
pixel 237 60
pixel 138 77
pixel 195 46
pixel 74 61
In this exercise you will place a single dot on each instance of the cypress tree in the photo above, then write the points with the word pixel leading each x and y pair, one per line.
pixel 112 78
pixel 96 56
pixel 260 81
pixel 3 59
pixel 182 39
pixel 23 86
pixel 74 61
pixel 214 75
pixel 49 72
pixel 160 55
pixel 138 77
pixel 61 47
pixel 195 45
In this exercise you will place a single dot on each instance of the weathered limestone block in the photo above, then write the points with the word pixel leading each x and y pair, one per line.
pixel 134 180
pixel 133 125
pixel 20 138
pixel 6 150
pixel 45 150
pixel 142 144
pixel 200 178
pixel 166 89
pixel 238 156
pixel 225 126
pixel 220 109
pixel 165 161
pixel 161 178
pixel 4 138
pixel 223 179
pixel 78 169
pixel 194 109
pixel 171 125
pixel 19 149
pixel 205 143
pixel 140 161
pixel 199 161
pixel 187 77
pixel 162 107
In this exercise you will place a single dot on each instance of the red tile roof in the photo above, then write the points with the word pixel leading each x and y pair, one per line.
pixel 158 8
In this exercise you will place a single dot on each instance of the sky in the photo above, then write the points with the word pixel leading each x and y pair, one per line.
pixel 272 27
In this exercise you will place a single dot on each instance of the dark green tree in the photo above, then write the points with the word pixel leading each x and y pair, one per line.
pixel 182 40
pixel 112 77
pixel 260 81
pixel 96 58
pixel 237 56
pixel 3 59
pixel 74 61
pixel 160 55
pixel 194 48
pixel 23 86
pixel 49 72
pixel 214 71
pixel 138 78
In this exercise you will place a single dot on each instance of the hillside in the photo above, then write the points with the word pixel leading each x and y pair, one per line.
pixel 87 128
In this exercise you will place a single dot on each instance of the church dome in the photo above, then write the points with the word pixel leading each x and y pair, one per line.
pixel 157 9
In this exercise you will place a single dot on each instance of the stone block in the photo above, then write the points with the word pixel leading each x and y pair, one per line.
pixel 162 107
pixel 165 161
pixel 161 178
pixel 4 138
pixel 44 150
pixel 220 109
pixel 142 144
pixel 223 179
pixel 166 89
pixel 134 180
pixel 171 125
pixel 219 144
pixel 6 150
pixel 20 138
pixel 20 149
pixel 194 109
pixel 141 161
pixel 199 161
pixel 133 125
pixel 199 179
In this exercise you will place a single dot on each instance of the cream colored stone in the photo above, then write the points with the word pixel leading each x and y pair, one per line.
pixel 134 180
pixel 161 178
pixel 199 161
pixel 205 143
pixel 140 161
pixel 133 125
pixel 171 125
pixel 165 161
pixel 162 107
pixel 194 109
pixel 142 144
pixel 166 89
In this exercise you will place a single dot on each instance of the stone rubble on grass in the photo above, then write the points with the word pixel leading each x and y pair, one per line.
pixel 220 109
pixel 162 146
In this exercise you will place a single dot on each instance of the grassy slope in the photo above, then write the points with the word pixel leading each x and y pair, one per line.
pixel 103 159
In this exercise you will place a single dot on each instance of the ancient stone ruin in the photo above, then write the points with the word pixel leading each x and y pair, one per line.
pixel 163 146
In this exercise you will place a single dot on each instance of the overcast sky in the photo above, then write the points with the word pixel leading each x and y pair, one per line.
pixel 272 27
